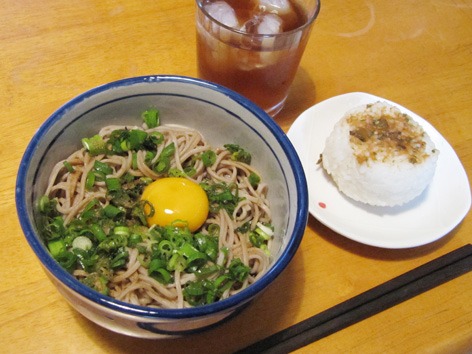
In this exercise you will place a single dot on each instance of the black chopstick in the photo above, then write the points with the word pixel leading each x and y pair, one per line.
pixel 369 303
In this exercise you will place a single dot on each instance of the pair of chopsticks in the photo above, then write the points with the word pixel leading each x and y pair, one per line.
pixel 369 303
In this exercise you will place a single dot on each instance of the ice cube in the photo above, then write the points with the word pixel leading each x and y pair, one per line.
pixel 223 12
pixel 270 24
pixel 279 7
pixel 251 60
pixel 250 26
pixel 263 24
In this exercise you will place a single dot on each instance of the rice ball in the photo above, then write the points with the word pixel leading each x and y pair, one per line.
pixel 379 156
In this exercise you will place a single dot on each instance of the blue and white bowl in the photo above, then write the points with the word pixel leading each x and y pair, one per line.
pixel 222 116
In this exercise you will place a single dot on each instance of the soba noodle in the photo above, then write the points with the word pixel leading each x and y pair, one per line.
pixel 132 282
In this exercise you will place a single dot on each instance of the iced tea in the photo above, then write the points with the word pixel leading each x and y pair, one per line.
pixel 253 46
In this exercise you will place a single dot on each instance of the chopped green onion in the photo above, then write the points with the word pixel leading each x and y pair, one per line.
pixel 162 276
pixel 146 180
pixel 166 248
pixel 67 260
pixel 244 228
pixel 55 228
pixel 162 165
pixel 208 245
pixel 207 270
pixel 88 260
pixel 121 230
pixel 151 118
pixel 148 157
pixel 113 184
pixel 68 166
pixel 156 138
pixel 261 234
pixel 91 210
pixel 177 262
pixel 134 239
pixel 151 208
pixel 82 242
pixel 206 291
pixel 98 232
pixel 137 138
pixel 56 247
pixel 265 231
pixel 98 282
pixel 102 167
pixel 168 151
pixel 175 172
pixel 221 282
pixel 124 145
pixel 214 229
pixel 191 254
pixel 254 179
pixel 238 271
pixel 138 213
pixel 90 205
pixel 123 140
pixel 208 158
pixel 45 205
pixel 238 153
pixel 222 196
pixel 94 145
pixel 112 211
pixel 112 243
pixel 117 141
pixel 265 249
pixel 120 259
pixel 157 270
pixel 134 161
pixel 90 180
pixel 190 171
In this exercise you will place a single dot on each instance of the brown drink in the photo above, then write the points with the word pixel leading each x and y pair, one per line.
pixel 253 47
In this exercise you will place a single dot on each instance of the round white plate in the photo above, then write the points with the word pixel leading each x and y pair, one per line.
pixel 427 218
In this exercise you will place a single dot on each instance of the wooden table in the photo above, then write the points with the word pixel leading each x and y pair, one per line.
pixel 416 53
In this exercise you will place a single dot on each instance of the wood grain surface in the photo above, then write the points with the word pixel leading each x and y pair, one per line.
pixel 416 53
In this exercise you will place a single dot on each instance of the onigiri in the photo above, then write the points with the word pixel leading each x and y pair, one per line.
pixel 379 156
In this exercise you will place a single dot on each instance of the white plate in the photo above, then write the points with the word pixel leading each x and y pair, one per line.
pixel 427 218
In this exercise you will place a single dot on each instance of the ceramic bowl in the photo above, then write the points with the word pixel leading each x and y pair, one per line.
pixel 222 116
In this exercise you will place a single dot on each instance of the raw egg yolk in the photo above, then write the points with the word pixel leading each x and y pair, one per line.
pixel 175 198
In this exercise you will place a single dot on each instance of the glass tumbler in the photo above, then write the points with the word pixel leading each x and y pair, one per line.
pixel 254 47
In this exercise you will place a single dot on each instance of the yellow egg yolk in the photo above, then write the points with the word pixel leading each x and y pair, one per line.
pixel 173 199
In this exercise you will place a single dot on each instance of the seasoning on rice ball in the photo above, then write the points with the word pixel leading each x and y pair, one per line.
pixel 379 155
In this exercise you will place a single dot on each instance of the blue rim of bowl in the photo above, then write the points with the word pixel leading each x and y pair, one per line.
pixel 227 304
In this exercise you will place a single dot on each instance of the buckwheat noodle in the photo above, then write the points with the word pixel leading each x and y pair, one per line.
pixel 133 284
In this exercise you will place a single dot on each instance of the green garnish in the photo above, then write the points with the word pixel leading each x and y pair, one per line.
pixel 94 145
pixel 151 118
pixel 206 291
pixel 56 247
pixel 69 167
pixel 163 162
pixel 98 282
pixel 208 158
pixel 102 168
pixel 222 196
pixel 238 153
pixel 254 179
pixel 261 235
pixel 113 184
